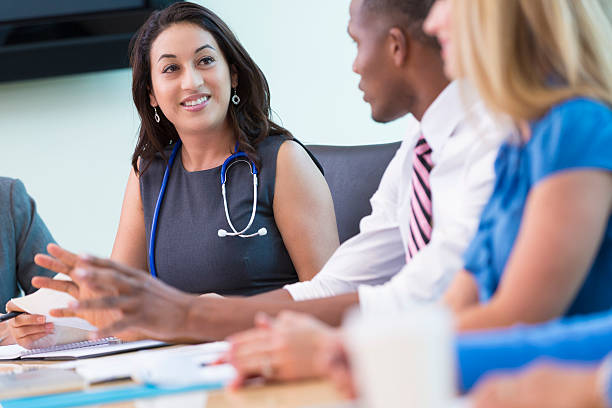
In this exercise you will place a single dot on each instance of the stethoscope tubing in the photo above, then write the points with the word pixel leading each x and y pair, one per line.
pixel 221 233
pixel 160 199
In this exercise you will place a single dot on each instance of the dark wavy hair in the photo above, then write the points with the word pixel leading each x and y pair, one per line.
pixel 251 119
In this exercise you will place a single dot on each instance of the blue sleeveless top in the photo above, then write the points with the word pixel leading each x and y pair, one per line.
pixel 575 134
pixel 189 254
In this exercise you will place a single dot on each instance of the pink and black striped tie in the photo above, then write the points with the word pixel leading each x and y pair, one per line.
pixel 420 199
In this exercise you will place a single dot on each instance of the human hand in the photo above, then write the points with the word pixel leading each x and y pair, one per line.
pixel 62 261
pixel 543 385
pixel 286 348
pixel 6 337
pixel 140 302
pixel 26 330
pixel 338 367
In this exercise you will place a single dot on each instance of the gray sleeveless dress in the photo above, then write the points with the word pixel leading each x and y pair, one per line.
pixel 189 255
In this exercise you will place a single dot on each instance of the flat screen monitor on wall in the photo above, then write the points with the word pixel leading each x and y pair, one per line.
pixel 43 38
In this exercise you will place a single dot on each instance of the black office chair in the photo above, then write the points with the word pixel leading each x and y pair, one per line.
pixel 353 174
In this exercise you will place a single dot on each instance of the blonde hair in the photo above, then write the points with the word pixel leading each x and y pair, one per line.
pixel 525 56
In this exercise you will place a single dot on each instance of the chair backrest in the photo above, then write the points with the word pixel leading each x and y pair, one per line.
pixel 353 174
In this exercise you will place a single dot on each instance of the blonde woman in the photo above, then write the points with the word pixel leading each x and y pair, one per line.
pixel 544 245
pixel 547 65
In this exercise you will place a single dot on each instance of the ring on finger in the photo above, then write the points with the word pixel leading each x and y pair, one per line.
pixel 267 371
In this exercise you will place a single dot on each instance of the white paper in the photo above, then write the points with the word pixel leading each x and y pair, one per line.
pixel 11 352
pixel 43 300
pixel 101 349
pixel 77 350
pixel 124 365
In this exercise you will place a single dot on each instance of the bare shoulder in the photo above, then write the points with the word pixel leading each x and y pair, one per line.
pixel 293 157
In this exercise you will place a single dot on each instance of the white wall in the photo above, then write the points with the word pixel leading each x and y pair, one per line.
pixel 70 138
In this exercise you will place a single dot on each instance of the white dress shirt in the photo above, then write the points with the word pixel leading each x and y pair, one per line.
pixel 464 140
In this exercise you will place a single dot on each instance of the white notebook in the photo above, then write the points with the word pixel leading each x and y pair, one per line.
pixel 43 300
pixel 81 349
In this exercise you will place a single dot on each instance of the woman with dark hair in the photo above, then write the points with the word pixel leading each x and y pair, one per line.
pixel 221 199
pixel 187 66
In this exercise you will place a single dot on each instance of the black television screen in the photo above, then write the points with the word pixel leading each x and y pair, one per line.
pixel 42 38
pixel 34 9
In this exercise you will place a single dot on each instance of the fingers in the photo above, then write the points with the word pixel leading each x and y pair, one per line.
pixel 67 257
pixel 51 263
pixel 11 307
pixel 27 320
pixel 117 327
pixel 130 335
pixel 223 359
pixel 104 279
pixel 248 337
pixel 252 354
pixel 343 381
pixel 237 382
pixel 34 330
pixel 245 354
pixel 263 321
pixel 27 329
pixel 290 316
pixel 60 285
pixel 31 342
pixel 110 264
pixel 263 364
pixel 123 303
pixel 62 313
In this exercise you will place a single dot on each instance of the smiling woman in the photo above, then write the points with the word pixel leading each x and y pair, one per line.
pixel 209 158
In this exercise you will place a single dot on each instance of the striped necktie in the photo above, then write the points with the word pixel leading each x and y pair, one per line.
pixel 420 199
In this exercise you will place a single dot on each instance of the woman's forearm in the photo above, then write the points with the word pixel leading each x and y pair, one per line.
pixel 485 316
pixel 582 338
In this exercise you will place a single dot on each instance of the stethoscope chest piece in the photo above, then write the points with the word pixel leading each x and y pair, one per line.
pixel 229 162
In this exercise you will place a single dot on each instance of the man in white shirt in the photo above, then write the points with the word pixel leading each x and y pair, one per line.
pixel 461 182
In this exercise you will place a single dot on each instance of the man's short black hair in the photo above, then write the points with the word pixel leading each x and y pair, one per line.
pixel 409 14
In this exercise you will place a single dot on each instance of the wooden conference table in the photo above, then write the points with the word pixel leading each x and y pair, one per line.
pixel 302 394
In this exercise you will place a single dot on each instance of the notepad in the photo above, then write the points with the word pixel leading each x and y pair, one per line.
pixel 121 367
pixel 43 300
pixel 81 349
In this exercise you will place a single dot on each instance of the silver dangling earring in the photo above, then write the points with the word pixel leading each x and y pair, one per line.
pixel 157 118
pixel 235 98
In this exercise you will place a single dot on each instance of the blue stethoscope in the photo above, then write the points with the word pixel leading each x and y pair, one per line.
pixel 229 162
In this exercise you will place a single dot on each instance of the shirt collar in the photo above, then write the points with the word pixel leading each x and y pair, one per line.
pixel 445 114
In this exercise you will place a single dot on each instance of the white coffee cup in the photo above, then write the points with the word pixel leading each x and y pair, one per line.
pixel 403 360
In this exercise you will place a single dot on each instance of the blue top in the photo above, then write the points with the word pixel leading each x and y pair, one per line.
pixel 575 134
pixel 23 234
pixel 574 339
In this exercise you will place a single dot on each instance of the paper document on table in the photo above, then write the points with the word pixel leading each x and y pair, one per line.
pixel 120 367
pixel 71 351
pixel 43 300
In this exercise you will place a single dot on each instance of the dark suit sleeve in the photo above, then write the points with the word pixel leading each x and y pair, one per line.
pixel 31 236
